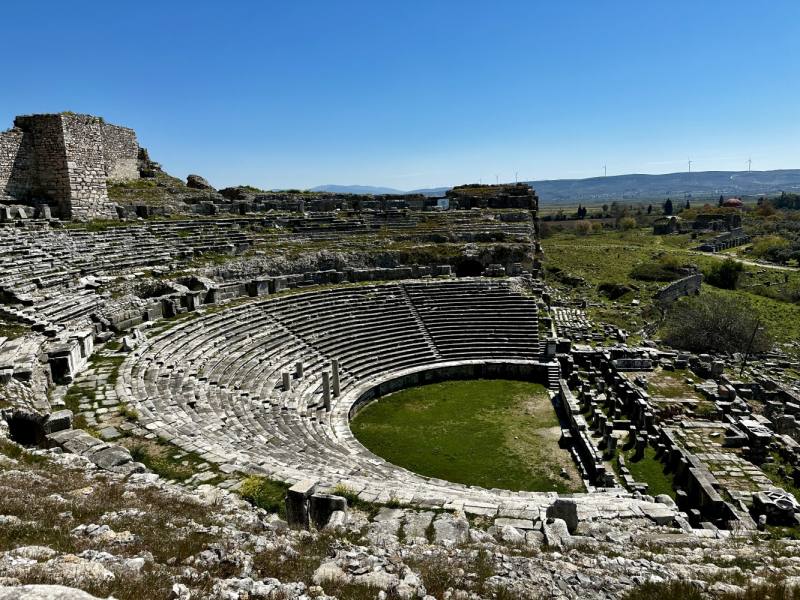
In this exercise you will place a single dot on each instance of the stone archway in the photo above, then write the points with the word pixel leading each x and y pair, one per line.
pixel 25 431
pixel 469 268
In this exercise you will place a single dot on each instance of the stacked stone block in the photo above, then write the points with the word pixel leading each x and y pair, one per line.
pixel 65 160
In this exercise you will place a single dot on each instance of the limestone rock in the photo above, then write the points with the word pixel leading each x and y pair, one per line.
pixel 565 509
pixel 510 535
pixel 328 571
pixel 198 183
pixel 555 532
pixel 58 421
pixel 43 592
pixel 451 530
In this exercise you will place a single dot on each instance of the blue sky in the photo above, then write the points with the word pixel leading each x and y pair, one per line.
pixel 416 94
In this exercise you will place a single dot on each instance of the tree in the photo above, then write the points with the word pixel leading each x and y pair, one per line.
pixel 605 208
pixel 721 200
pixel 725 274
pixel 649 209
pixel 584 228
pixel 713 323
pixel 668 207
pixel 765 209
pixel 627 223
pixel 688 206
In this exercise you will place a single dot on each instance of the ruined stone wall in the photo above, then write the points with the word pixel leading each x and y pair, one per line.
pixel 18 174
pixel 83 146
pixel 120 152
pixel 52 174
pixel 688 286
pixel 63 159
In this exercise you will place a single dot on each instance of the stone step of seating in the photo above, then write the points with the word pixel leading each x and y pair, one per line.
pixel 214 384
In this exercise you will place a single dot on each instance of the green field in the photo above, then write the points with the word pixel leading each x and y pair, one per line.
pixel 490 433
pixel 582 263
pixel 647 470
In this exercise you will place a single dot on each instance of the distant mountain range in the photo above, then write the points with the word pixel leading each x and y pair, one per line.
pixel 356 189
pixel 639 187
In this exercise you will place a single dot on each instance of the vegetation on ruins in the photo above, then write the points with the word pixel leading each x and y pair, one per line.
pixel 265 493
pixel 491 433
pixel 724 274
pixel 714 323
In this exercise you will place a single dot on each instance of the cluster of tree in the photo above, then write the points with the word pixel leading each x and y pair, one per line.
pixel 714 323
pixel 724 274
pixel 788 201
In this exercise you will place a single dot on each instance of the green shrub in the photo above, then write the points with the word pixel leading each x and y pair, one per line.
pixel 265 493
pixel 668 590
pixel 724 274
pixel 649 271
pixel 713 323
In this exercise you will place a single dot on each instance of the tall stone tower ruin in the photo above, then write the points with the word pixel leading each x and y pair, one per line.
pixel 64 160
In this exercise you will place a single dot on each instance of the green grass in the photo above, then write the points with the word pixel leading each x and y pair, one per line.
pixel 265 493
pixel 648 470
pixel 612 257
pixel 668 590
pixel 166 460
pixel 670 384
pixel 115 362
pixel 12 330
pixel 490 433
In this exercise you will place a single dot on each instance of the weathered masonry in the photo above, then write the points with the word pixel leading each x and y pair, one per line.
pixel 63 160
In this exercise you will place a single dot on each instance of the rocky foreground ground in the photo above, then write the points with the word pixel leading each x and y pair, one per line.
pixel 65 522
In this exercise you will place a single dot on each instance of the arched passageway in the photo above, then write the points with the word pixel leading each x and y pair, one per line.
pixel 469 268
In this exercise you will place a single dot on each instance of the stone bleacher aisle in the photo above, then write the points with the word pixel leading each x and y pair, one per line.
pixel 228 385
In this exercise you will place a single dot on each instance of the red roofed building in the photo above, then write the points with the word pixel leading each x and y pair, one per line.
pixel 733 203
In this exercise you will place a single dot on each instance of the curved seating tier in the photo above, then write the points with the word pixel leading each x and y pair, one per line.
pixel 214 385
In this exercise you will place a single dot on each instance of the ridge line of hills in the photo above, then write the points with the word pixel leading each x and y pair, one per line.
pixel 634 187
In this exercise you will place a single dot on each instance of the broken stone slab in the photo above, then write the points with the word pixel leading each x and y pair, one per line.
pixel 322 506
pixel 523 524
pixel 666 500
pixel 111 457
pixel 297 503
pixel 555 531
pixel 109 433
pixel 450 530
pixel 659 513
pixel 337 521
pixel 416 526
pixel 511 535
pixel 58 421
pixel 565 509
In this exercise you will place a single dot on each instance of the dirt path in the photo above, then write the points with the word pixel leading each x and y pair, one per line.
pixel 721 256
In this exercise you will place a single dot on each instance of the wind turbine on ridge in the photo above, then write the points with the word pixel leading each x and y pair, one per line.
pixel 749 163
pixel 690 165
pixel 497 179
pixel 605 172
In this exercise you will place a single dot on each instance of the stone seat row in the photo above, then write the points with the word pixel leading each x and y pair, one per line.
pixel 232 413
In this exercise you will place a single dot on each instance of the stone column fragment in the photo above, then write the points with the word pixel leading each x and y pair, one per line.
pixel 326 391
